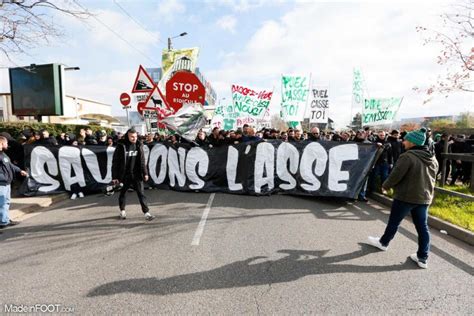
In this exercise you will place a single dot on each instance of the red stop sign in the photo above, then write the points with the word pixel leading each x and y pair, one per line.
pixel 125 99
pixel 184 87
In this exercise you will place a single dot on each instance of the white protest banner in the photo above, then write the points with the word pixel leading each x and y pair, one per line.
pixel 380 111
pixel 294 94
pixel 248 106
pixel 318 109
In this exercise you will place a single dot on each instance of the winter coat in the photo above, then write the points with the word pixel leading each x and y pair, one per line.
pixel 396 145
pixel 413 177
pixel 119 162
pixel 7 169
pixel 386 156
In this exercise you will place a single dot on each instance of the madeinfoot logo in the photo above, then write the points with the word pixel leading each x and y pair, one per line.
pixel 37 308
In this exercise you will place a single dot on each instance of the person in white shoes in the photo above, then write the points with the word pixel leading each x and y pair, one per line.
pixel 129 167
pixel 413 179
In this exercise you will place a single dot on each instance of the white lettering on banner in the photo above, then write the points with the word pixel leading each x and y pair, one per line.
pixel 39 156
pixel 337 155
pixel 312 153
pixel 196 157
pixel 176 168
pixel 70 159
pixel 231 169
pixel 189 168
pixel 146 152
pixel 92 164
pixel 158 152
pixel 287 153
pixel 264 167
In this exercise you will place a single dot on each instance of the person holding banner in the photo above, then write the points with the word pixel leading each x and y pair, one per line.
pixel 413 180
pixel 129 167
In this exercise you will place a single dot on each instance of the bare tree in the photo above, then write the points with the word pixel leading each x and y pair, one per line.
pixel 26 24
pixel 457 51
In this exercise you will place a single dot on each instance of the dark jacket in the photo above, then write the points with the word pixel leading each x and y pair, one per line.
pixel 396 147
pixel 90 140
pixel 313 138
pixel 119 161
pixel 50 141
pixel 413 177
pixel 439 149
pixel 386 156
pixel 7 169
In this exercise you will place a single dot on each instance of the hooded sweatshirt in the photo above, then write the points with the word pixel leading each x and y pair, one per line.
pixel 413 177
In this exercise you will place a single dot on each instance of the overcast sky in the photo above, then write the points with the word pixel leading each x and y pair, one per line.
pixel 253 43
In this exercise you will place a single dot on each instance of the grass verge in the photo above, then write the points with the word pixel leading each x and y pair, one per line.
pixel 452 209
pixel 455 210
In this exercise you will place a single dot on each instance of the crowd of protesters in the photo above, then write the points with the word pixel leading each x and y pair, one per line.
pixel 390 141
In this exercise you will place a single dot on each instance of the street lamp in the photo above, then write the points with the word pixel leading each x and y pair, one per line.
pixel 170 38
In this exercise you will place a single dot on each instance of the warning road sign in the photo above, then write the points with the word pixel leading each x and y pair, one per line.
pixel 143 82
pixel 157 102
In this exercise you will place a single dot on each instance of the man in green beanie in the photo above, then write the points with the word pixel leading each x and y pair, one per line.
pixel 413 180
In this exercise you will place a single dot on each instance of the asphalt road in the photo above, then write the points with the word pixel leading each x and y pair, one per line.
pixel 269 255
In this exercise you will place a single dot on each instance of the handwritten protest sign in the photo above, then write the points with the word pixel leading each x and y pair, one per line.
pixel 249 102
pixel 357 89
pixel 294 94
pixel 226 117
pixel 248 107
pixel 318 109
pixel 380 111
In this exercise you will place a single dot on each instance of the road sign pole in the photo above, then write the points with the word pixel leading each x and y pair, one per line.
pixel 128 119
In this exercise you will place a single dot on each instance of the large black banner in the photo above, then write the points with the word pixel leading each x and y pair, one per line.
pixel 255 168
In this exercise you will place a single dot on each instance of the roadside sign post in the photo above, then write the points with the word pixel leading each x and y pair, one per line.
pixel 125 101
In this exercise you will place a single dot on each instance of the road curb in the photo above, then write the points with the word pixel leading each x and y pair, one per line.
pixel 439 224
pixel 21 206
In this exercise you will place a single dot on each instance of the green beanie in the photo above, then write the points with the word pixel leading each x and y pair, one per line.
pixel 417 137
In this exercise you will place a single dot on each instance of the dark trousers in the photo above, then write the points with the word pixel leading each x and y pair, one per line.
pixel 457 172
pixel 419 214
pixel 380 169
pixel 138 186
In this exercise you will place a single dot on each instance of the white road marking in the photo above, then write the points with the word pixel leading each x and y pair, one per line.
pixel 202 223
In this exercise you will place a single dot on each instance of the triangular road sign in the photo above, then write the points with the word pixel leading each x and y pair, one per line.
pixel 143 82
pixel 157 102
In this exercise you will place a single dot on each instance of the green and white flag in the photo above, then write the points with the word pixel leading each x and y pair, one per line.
pixel 357 89
pixel 380 111
pixel 294 95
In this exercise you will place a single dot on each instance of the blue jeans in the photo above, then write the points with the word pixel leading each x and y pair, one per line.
pixel 379 169
pixel 419 214
pixel 363 192
pixel 4 204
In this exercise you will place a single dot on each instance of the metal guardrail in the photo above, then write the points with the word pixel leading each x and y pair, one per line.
pixel 454 193
pixel 462 157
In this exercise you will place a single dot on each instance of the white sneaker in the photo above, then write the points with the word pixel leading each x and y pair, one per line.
pixel 421 264
pixel 81 195
pixel 73 196
pixel 123 215
pixel 149 217
pixel 375 241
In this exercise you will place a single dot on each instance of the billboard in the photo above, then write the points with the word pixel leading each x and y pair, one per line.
pixel 36 90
